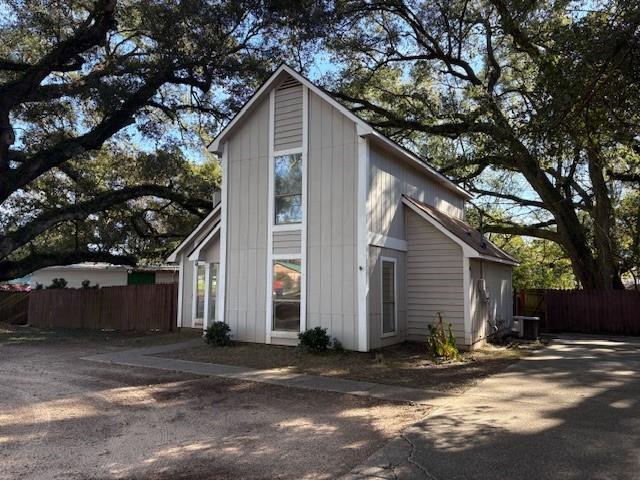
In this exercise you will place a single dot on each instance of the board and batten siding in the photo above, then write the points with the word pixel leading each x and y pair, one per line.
pixel 434 280
pixel 287 241
pixel 374 297
pixel 499 309
pixel 331 222
pixel 389 179
pixel 288 115
pixel 247 217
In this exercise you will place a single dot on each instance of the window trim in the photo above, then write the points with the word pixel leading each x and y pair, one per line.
pixel 300 227
pixel 395 296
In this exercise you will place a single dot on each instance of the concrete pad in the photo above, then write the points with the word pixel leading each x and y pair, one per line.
pixel 571 411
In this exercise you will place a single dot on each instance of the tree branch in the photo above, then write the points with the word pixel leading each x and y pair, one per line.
pixel 100 202
pixel 528 231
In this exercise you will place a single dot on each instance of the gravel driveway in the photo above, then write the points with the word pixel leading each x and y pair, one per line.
pixel 62 417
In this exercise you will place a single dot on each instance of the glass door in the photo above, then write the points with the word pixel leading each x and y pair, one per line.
pixel 201 275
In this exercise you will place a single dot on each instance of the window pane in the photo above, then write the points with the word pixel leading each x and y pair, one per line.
pixel 388 318
pixel 286 316
pixel 286 294
pixel 388 297
pixel 213 289
pixel 288 174
pixel 288 209
pixel 286 279
pixel 288 188
pixel 388 285
pixel 200 288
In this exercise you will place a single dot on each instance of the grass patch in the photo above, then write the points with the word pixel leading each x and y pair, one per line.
pixel 407 364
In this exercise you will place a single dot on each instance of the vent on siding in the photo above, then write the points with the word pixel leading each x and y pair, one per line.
pixel 288 115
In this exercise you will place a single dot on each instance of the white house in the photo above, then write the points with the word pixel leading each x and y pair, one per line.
pixel 105 274
pixel 325 222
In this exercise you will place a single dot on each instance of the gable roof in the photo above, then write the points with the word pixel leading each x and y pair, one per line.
pixel 470 239
pixel 202 226
pixel 364 128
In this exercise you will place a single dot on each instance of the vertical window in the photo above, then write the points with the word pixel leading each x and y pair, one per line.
pixel 286 295
pixel 200 291
pixel 388 297
pixel 288 189
pixel 213 291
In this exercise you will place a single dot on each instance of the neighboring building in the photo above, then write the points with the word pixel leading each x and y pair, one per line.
pixel 105 275
pixel 325 222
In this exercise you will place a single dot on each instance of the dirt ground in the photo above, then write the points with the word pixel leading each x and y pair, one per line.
pixel 65 418
pixel 407 364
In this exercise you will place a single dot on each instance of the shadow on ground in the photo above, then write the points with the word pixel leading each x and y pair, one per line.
pixel 571 411
pixel 61 417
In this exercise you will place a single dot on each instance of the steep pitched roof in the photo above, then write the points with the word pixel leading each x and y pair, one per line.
pixel 460 232
pixel 364 128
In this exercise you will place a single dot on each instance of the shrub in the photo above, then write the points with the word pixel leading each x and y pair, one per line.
pixel 87 284
pixel 441 343
pixel 218 334
pixel 315 340
pixel 58 283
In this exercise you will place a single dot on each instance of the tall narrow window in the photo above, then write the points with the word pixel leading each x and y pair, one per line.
pixel 288 189
pixel 200 291
pixel 286 295
pixel 388 297
pixel 213 290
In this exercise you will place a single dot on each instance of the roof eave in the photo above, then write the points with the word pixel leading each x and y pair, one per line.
pixel 172 258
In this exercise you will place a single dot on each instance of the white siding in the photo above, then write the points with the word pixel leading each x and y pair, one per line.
pixel 75 277
pixel 499 309
pixel 288 115
pixel 389 178
pixel 288 241
pixel 247 176
pixel 331 234
pixel 434 279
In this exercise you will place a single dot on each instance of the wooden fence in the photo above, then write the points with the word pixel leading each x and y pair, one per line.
pixel 131 307
pixel 14 307
pixel 586 311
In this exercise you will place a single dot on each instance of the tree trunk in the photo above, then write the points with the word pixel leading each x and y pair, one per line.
pixel 603 220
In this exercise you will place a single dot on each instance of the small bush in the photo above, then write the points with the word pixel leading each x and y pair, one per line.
pixel 87 284
pixel 218 334
pixel 441 343
pixel 58 283
pixel 315 340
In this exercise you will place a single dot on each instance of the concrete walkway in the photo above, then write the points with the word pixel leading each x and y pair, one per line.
pixel 570 411
pixel 141 357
